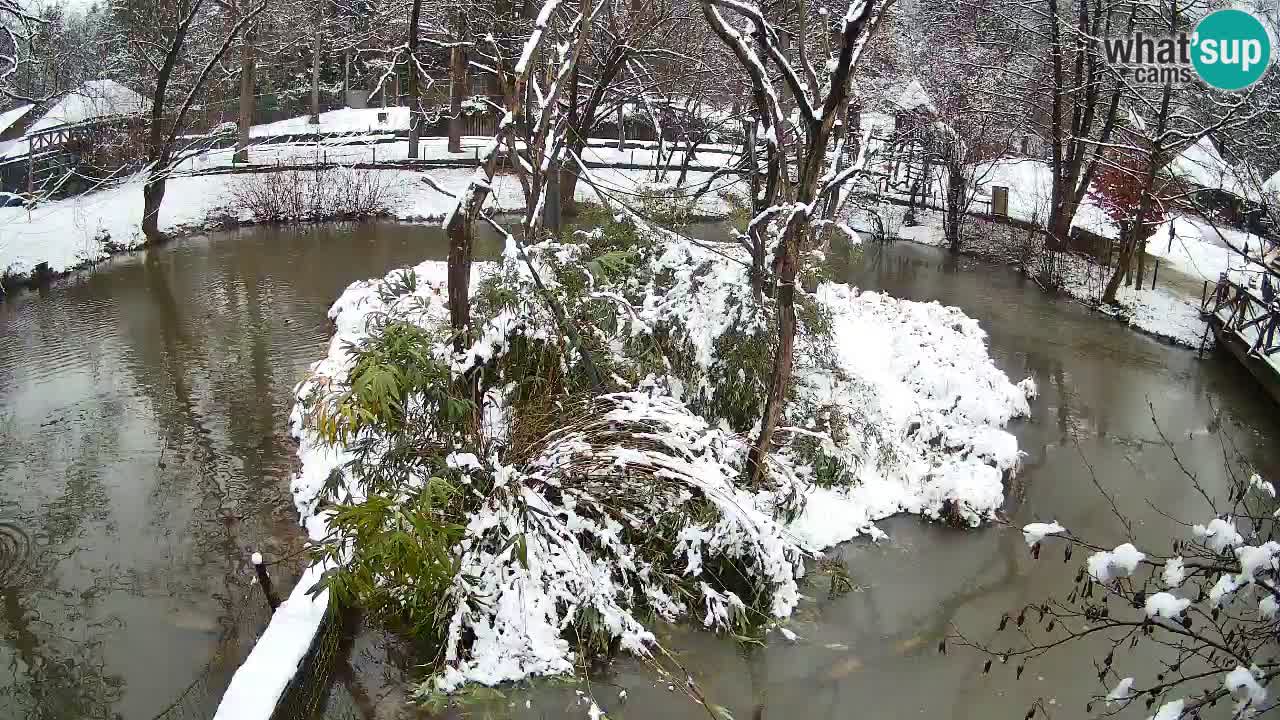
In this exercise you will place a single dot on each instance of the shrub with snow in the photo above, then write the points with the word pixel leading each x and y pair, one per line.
pixel 529 491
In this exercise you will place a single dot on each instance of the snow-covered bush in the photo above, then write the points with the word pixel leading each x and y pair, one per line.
pixel 308 195
pixel 530 496
pixel 600 504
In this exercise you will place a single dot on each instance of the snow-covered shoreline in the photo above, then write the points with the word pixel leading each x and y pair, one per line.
pixel 920 371
pixel 78 232
pixel 1168 312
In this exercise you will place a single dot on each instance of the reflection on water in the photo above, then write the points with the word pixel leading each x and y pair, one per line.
pixel 872 653
pixel 144 452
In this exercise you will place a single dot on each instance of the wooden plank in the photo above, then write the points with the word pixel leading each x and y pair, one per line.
pixel 1262 371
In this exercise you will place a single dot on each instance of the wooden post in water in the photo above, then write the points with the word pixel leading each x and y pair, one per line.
pixel 273 600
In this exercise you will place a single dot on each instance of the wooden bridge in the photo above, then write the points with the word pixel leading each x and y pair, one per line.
pixel 1248 327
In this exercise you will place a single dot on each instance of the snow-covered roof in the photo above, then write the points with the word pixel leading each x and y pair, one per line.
pixel 9 117
pixel 913 97
pixel 1202 165
pixel 94 100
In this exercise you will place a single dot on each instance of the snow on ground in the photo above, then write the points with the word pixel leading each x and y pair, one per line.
pixel 1203 250
pixel 1165 311
pixel 926 382
pixel 370 148
pixel 87 228
pixel 928 368
pixel 1202 165
pixel 68 233
pixel 1199 248
pixel 1030 184
pixel 1170 310
pixel 344 120
pixel 76 231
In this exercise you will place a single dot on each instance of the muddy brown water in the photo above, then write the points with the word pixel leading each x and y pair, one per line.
pixel 144 454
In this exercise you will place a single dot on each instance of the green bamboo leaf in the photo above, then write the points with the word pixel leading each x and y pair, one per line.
pixel 522 551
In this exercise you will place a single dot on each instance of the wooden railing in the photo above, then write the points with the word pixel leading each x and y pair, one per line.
pixel 1243 313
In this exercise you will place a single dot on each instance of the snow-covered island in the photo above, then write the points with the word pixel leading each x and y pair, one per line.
pixel 896 408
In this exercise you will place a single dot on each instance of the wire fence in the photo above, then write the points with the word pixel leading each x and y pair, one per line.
pixel 305 695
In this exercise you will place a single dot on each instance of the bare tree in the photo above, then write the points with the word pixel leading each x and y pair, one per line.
pixel 457 80
pixel 1162 121
pixel 17 26
pixel 248 77
pixel 786 210
pixel 317 46
pixel 415 99
pixel 166 40
pixel 532 136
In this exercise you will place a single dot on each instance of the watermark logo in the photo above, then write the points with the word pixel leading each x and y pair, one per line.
pixel 1229 50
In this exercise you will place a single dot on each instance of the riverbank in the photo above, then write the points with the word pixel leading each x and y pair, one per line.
pixel 70 234
pixel 1170 311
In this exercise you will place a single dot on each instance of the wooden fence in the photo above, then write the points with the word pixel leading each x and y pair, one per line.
pixel 1236 310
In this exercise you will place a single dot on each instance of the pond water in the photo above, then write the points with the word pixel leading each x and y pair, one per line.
pixel 144 454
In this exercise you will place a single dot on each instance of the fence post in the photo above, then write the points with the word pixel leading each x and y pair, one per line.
pixel 1155 271
pixel 273 601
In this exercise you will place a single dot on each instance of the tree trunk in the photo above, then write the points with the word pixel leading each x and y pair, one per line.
pixel 568 186
pixel 954 206
pixel 1123 261
pixel 689 150
pixel 346 76
pixel 152 197
pixel 415 115
pixel 756 234
pixel 247 72
pixel 1141 252
pixel 1059 227
pixel 833 200
pixel 780 377
pixel 315 65
pixel 459 276
pixel 457 86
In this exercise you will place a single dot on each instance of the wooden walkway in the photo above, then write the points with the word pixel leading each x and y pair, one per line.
pixel 1248 327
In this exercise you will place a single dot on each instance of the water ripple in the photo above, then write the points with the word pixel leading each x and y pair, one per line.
pixel 15 548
